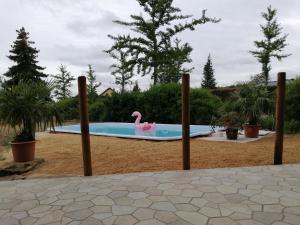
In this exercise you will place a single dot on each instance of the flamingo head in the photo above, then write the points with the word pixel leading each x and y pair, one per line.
pixel 136 113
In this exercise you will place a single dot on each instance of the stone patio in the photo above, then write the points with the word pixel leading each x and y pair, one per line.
pixel 246 196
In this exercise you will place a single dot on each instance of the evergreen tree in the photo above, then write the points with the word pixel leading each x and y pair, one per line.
pixel 154 29
pixel 24 56
pixel 208 80
pixel 92 82
pixel 136 87
pixel 62 83
pixel 123 69
pixel 272 45
pixel 175 57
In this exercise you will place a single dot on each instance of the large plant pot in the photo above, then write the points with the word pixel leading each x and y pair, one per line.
pixel 232 133
pixel 23 151
pixel 251 131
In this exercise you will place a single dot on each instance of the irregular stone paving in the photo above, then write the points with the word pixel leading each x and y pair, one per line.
pixel 246 196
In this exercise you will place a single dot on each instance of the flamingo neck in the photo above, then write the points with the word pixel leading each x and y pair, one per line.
pixel 138 120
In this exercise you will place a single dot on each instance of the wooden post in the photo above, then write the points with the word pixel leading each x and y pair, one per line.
pixel 84 124
pixel 185 93
pixel 280 106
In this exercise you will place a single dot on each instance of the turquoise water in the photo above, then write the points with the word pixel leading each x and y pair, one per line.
pixel 127 130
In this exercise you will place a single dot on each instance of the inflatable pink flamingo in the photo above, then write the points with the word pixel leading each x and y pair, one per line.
pixel 142 128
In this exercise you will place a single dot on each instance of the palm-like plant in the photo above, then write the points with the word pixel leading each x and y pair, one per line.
pixel 27 107
pixel 252 101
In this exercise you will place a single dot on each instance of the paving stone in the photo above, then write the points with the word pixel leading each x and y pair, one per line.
pixel 291 219
pixel 125 220
pixel 142 202
pixel 119 210
pixel 52 217
pixel 191 193
pixel 214 197
pixel 273 208
pixel 249 222
pixel 179 199
pixel 144 214
pixel 163 206
pixel 292 210
pixel 25 205
pixel 166 217
pixel 222 221
pixel 267 217
pixel 137 195
pixel 103 200
pixel 77 206
pixel 192 217
pixel 101 209
pixel 39 209
pixel 210 212
pixel 199 202
pixel 28 221
pixel 264 199
pixel 63 202
pixel 79 214
pixel 117 194
pixel 150 222
pixel 226 189
pixel 124 201
pixel 91 221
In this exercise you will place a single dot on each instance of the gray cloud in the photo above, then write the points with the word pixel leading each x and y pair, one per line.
pixel 75 33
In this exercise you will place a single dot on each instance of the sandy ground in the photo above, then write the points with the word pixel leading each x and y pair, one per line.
pixel 62 153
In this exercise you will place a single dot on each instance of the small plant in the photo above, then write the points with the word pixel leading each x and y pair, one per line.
pixel 232 122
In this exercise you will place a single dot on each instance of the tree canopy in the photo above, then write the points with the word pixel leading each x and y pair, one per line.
pixel 208 80
pixel 155 31
pixel 24 56
pixel 272 45
pixel 62 83
pixel 92 82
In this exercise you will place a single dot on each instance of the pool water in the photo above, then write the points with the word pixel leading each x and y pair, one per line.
pixel 127 130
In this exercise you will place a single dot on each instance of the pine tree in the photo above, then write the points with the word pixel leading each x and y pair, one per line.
pixel 24 56
pixel 273 44
pixel 208 80
pixel 123 69
pixel 154 29
pixel 92 83
pixel 136 87
pixel 62 83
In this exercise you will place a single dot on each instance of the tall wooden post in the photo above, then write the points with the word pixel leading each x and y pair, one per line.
pixel 84 124
pixel 280 106
pixel 185 93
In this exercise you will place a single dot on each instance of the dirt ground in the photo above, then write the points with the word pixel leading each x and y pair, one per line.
pixel 62 153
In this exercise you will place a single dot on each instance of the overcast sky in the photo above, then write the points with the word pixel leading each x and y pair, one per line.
pixel 74 33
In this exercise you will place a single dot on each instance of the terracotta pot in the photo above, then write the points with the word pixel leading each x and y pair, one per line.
pixel 251 131
pixel 232 133
pixel 23 151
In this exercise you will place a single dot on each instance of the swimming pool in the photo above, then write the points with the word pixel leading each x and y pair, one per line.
pixel 127 130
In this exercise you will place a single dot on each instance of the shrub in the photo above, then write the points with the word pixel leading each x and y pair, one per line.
pixel 162 103
pixel 204 106
pixel 292 127
pixel 97 110
pixel 69 108
pixel 293 100
pixel 267 122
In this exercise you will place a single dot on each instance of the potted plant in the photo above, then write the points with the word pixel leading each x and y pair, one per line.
pixel 26 108
pixel 252 102
pixel 231 121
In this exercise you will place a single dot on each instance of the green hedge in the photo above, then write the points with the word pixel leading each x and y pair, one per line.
pixel 292 114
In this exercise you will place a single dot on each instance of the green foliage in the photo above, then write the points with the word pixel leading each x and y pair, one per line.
pixel 123 69
pixel 204 106
pixel 24 56
pixel 252 101
pixel 97 110
pixel 92 84
pixel 154 31
pixel 27 107
pixel 120 106
pixel 292 115
pixel 267 122
pixel 208 80
pixel 292 127
pixel 230 120
pixel 162 103
pixel 270 47
pixel 136 87
pixel 293 100
pixel 172 68
pixel 62 82
pixel 68 108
